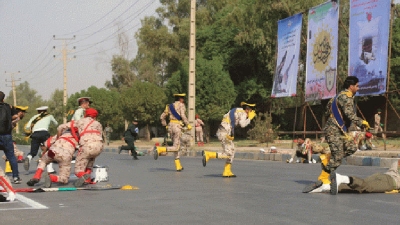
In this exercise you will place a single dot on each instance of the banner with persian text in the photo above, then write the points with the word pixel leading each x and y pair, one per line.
pixel 285 78
pixel 368 44
pixel 322 48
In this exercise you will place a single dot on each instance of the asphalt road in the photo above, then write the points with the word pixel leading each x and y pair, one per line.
pixel 265 192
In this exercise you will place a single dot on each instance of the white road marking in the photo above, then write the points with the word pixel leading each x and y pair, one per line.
pixel 33 204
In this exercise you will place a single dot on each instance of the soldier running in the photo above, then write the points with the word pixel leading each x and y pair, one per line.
pixel 177 120
pixel 236 116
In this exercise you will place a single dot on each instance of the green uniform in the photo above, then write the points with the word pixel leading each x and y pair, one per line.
pixel 130 136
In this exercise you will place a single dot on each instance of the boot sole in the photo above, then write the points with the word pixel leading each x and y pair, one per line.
pixel 47 181
pixel 229 176
pixel 26 164
pixel 32 182
pixel 334 187
pixel 312 186
pixel 155 153
pixel 81 181
pixel 204 161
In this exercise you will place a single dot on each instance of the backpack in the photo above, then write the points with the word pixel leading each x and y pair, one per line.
pixel 5 119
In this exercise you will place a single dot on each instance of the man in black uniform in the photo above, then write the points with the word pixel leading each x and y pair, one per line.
pixel 130 136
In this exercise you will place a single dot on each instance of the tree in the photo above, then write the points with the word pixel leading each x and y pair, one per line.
pixel 144 101
pixel 123 75
pixel 26 97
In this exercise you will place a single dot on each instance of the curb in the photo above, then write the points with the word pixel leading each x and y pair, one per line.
pixel 382 160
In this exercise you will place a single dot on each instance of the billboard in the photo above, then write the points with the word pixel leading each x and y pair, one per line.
pixel 322 48
pixel 285 78
pixel 368 44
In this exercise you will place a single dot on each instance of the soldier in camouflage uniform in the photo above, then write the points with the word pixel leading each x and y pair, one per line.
pixel 61 150
pixel 236 116
pixel 341 112
pixel 177 120
pixel 91 145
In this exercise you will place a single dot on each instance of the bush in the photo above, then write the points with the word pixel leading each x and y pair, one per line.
pixel 263 130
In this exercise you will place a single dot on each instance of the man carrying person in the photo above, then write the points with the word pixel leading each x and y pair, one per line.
pixel 91 145
pixel 59 148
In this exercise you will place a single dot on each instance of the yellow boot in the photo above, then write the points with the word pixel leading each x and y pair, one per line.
pixel 158 150
pixel 178 165
pixel 227 171
pixel 324 176
pixel 207 155
pixel 8 167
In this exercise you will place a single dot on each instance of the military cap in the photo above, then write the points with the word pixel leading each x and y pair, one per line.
pixel 22 108
pixel 379 110
pixel 42 108
pixel 248 104
pixel 84 99
pixel 180 95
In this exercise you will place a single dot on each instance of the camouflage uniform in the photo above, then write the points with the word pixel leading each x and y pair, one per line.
pixel 175 126
pixel 224 133
pixel 340 143
pixel 91 144
pixel 199 130
pixel 61 151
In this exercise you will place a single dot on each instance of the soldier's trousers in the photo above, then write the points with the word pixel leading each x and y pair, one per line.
pixel 175 132
pixel 38 137
pixel 376 183
pixel 341 147
pixel 63 157
pixel 87 155
pixel 227 145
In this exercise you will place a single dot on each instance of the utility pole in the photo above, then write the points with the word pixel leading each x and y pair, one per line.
pixel 64 52
pixel 192 70
pixel 14 93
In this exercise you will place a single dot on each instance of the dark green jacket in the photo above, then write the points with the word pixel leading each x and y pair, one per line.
pixel 131 132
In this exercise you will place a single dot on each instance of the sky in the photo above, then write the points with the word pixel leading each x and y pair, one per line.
pixel 26 41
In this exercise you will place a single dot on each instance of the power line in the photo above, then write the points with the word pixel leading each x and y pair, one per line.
pixel 103 28
pixel 113 34
pixel 95 21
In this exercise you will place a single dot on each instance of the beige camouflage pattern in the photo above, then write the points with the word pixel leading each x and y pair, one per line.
pixel 63 151
pixel 199 130
pixel 180 108
pixel 225 129
pixel 341 144
pixel 91 143
pixel 175 126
